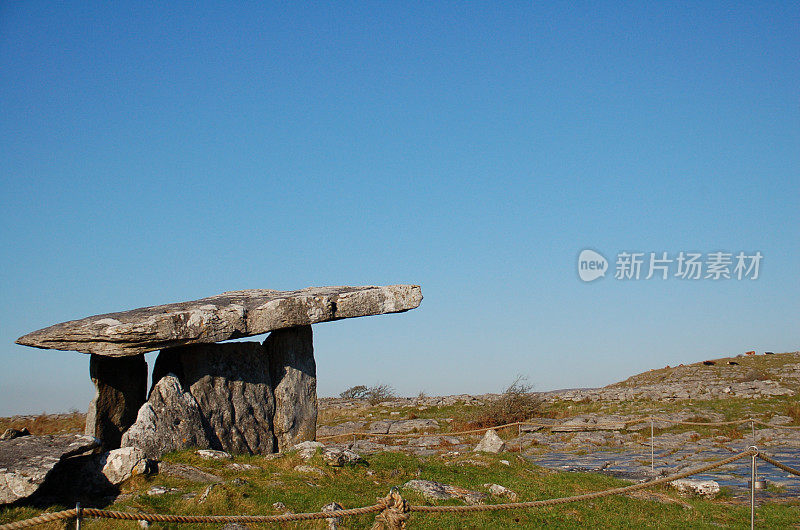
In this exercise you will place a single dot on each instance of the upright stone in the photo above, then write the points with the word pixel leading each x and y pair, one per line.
pixel 120 389
pixel 169 421
pixel 294 378
pixel 232 386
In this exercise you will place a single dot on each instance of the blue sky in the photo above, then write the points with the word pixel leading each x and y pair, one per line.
pixel 154 154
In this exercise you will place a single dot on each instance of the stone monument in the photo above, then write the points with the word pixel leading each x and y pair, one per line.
pixel 241 397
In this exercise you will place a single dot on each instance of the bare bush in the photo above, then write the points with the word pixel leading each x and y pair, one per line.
pixel 516 403
pixel 378 393
pixel 355 392
pixel 373 394
pixel 753 375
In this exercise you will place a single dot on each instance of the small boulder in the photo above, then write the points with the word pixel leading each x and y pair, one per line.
pixel 501 491
pixel 213 454
pixel 337 457
pixel 121 464
pixel 309 469
pixel 308 449
pixel 688 486
pixel 415 425
pixel 10 434
pixel 490 443
pixel 187 472
pixel 333 522
pixel 781 420
pixel 438 491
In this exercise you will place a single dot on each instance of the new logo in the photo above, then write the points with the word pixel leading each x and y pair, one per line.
pixel 591 265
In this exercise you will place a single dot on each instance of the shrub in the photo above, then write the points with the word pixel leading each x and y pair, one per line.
pixel 355 392
pixel 516 403
pixel 753 375
pixel 373 394
pixel 793 411
pixel 378 393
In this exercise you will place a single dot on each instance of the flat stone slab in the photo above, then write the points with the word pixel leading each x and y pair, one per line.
pixel 26 462
pixel 229 315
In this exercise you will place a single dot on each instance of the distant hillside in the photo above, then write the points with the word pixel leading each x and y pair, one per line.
pixel 756 376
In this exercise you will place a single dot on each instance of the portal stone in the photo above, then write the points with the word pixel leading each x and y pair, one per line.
pixel 120 389
pixel 169 421
pixel 232 386
pixel 294 376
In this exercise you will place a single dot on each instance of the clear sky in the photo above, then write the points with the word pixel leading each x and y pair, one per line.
pixel 160 152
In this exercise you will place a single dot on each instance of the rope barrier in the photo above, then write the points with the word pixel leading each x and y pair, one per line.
pixel 586 496
pixel 392 511
pixel 779 465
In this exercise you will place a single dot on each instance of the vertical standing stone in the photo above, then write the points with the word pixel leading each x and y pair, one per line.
pixel 231 384
pixel 120 389
pixel 294 379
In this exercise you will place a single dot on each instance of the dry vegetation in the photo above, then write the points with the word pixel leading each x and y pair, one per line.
pixel 46 423
pixel 516 403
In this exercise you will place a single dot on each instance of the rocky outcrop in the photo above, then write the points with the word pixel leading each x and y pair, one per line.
pixel 433 490
pixel 294 375
pixel 26 462
pixel 120 390
pixel 170 420
pixel 226 316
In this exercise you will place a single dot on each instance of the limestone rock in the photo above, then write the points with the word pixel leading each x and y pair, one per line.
pixel 187 472
pixel 213 454
pixel 225 316
pixel 11 433
pixel 294 377
pixel 501 491
pixel 26 462
pixel 119 465
pixel 120 390
pixel 346 427
pixel 232 387
pixel 415 425
pixel 589 423
pixel 705 488
pixel 306 450
pixel 490 443
pixel 304 468
pixel 170 420
pixel 438 491
pixel 337 457
pixel 333 522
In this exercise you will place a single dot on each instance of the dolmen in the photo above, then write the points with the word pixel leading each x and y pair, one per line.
pixel 240 397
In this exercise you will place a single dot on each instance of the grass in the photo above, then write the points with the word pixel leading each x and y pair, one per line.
pixel 274 480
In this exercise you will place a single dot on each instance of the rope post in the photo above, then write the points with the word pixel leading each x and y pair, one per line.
pixel 752 431
pixel 395 512
pixel 753 487
pixel 652 448
pixel 78 513
pixel 519 436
